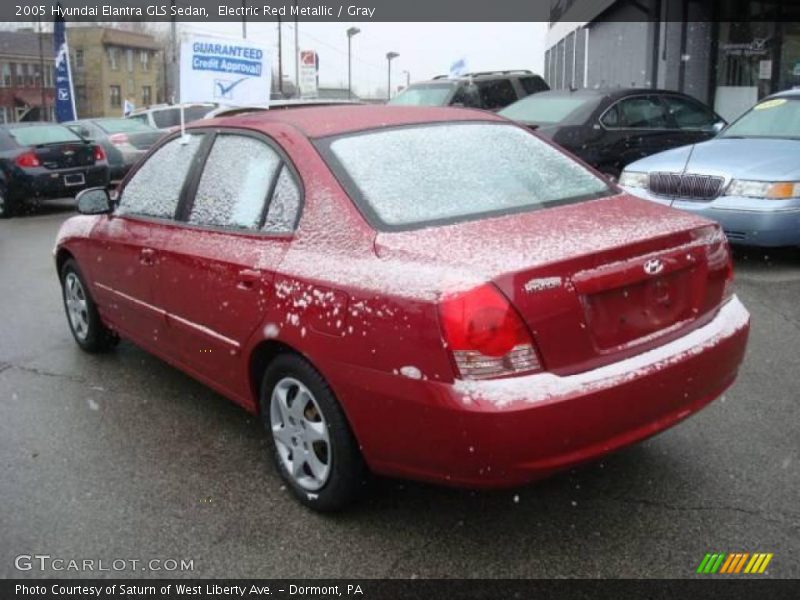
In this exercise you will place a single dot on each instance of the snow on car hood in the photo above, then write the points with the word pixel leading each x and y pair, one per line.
pixel 739 158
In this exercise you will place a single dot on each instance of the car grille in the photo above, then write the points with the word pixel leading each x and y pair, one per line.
pixel 688 186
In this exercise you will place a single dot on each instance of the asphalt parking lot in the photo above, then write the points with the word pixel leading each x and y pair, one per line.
pixel 122 457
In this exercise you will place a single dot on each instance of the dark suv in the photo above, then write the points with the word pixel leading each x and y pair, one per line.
pixel 490 90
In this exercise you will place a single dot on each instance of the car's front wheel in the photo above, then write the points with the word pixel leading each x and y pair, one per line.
pixel 314 448
pixel 82 316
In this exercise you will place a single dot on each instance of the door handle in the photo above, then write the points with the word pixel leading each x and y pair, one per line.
pixel 147 256
pixel 247 279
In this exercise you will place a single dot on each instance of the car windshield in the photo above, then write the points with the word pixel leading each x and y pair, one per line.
pixel 413 176
pixel 544 109
pixel 429 94
pixel 43 134
pixel 775 118
pixel 122 125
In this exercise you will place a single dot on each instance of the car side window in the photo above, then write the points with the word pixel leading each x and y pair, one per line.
pixel 611 117
pixel 642 112
pixel 155 188
pixel 235 182
pixel 167 117
pixel 284 207
pixel 497 94
pixel 688 114
pixel 533 84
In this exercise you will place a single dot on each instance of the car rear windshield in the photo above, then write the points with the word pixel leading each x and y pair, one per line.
pixel 774 118
pixel 429 94
pixel 413 176
pixel 545 110
pixel 122 125
pixel 43 134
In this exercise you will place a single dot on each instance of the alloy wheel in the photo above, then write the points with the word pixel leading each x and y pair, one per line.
pixel 301 434
pixel 77 306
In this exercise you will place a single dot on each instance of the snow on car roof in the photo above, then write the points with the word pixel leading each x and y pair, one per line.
pixel 323 121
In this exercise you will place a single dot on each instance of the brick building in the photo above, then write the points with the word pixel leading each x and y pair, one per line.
pixel 110 66
pixel 26 76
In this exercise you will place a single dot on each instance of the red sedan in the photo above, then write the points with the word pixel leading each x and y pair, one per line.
pixel 429 293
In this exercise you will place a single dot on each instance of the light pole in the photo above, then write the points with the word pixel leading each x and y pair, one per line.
pixel 350 33
pixel 389 57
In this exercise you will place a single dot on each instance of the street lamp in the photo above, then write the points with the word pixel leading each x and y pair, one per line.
pixel 389 57
pixel 350 33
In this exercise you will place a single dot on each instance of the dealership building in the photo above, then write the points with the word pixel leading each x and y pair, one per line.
pixel 683 45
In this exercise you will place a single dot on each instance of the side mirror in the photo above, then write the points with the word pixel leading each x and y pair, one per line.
pixel 718 126
pixel 94 201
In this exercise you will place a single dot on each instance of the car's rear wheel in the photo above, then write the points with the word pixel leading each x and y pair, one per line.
pixel 314 448
pixel 82 316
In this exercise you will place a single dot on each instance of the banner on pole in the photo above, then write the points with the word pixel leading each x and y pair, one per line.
pixel 65 98
pixel 228 71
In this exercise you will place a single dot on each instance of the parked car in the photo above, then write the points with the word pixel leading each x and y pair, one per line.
pixel 747 178
pixel 489 90
pixel 168 116
pixel 279 104
pixel 39 161
pixel 124 141
pixel 387 295
pixel 610 128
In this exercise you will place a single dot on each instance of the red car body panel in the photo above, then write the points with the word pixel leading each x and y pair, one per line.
pixel 361 306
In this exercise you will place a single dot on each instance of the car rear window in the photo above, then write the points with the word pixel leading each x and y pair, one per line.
pixel 122 125
pixel 430 94
pixel 413 176
pixel 43 134
pixel 542 109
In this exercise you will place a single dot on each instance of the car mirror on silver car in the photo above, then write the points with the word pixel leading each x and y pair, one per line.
pixel 718 126
pixel 94 201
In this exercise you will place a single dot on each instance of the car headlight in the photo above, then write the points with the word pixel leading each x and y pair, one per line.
pixel 774 190
pixel 634 179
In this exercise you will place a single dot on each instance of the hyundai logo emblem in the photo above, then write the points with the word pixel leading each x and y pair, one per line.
pixel 654 266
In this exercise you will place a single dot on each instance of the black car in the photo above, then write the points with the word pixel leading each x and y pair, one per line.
pixel 125 141
pixel 45 160
pixel 490 90
pixel 610 128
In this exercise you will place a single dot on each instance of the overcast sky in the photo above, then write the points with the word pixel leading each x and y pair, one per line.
pixel 426 49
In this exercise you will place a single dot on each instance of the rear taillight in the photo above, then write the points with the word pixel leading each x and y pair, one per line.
pixel 119 139
pixel 29 159
pixel 486 336
pixel 99 153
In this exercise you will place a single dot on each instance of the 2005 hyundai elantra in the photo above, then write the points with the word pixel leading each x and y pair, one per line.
pixel 428 293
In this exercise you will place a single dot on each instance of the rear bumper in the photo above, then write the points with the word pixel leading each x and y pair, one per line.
pixel 512 431
pixel 746 221
pixel 44 183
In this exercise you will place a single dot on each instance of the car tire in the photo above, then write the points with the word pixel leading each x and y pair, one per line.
pixel 304 419
pixel 82 316
pixel 8 205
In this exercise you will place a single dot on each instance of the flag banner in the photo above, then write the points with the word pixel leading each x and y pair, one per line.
pixel 229 71
pixel 65 99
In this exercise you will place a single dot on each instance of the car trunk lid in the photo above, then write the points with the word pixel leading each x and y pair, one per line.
pixel 65 155
pixel 595 281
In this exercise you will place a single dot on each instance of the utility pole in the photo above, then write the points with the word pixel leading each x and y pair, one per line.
pixel 244 20
pixel 389 57
pixel 43 109
pixel 350 33
pixel 296 52
pixel 174 58
pixel 280 58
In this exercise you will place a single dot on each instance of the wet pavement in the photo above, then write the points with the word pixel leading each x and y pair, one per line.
pixel 120 456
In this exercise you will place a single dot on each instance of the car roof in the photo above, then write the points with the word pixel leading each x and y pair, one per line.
pixel 794 93
pixel 609 92
pixel 322 121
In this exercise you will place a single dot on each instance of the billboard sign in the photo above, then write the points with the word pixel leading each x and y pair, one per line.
pixel 309 67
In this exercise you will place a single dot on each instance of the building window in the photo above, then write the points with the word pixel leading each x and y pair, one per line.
pixel 37 75
pixel 16 69
pixel 147 95
pixel 144 58
pixel 79 58
pixel 129 59
pixel 112 59
pixel 3 114
pixel 49 72
pixel 5 75
pixel 27 74
pixel 116 96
